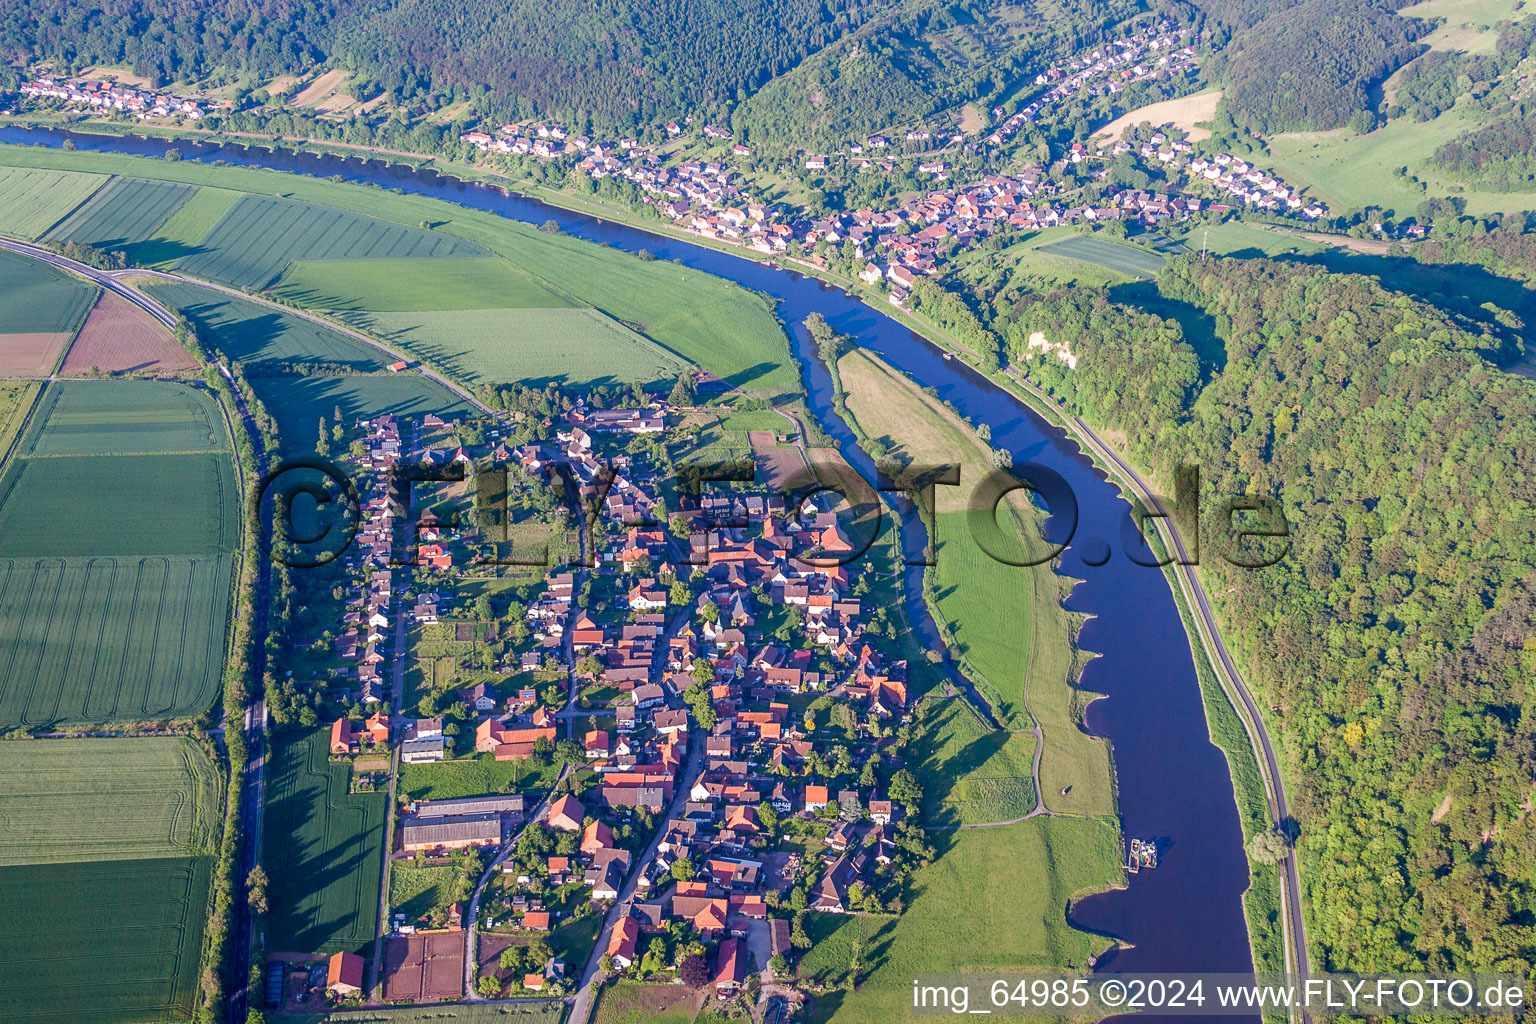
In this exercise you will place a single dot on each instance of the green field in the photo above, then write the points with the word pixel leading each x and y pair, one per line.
pixel 36 298
pixel 1352 171
pixel 107 799
pixel 299 403
pixel 256 239
pixel 16 399
pixel 31 202
pixel 128 210
pixel 547 1012
pixel 1019 652
pixel 416 891
pixel 576 347
pixel 123 417
pixel 1237 238
pixel 111 942
pixel 324 895
pixel 1016 881
pixel 111 638
pixel 1122 259
pixel 473 776
pixel 180 235
pixel 971 774
pixel 1026 265
pixel 415 284
pixel 637 1002
pixel 119 504
pixel 718 325
pixel 252 334
pixel 115 570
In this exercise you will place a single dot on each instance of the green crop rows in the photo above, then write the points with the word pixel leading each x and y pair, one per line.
pixel 572 346
pixel 115 570
pixel 255 335
pixel 35 298
pixel 31 202
pixel 261 235
pixel 325 887
pixel 106 799
pixel 122 417
pixel 128 210
pixel 138 504
pixel 110 942
pixel 110 639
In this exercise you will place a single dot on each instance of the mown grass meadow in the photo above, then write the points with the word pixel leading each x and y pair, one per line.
pixel 993 899
pixel 1020 650
pixel 1122 259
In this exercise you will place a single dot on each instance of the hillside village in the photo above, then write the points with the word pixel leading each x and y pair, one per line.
pixel 915 237
pixel 713 702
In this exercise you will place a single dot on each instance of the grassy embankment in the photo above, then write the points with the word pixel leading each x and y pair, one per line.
pixel 992 900
pixel 1262 901
pixel 1006 621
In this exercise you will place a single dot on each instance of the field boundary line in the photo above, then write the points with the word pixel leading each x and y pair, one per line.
pixel 71 211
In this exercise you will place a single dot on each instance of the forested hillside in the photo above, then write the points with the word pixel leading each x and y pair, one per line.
pixel 1396 638
pixel 924 57
pixel 171 39
pixel 618 62
pixel 1309 65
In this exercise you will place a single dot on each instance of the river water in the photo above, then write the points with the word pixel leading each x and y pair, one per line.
pixel 1173 783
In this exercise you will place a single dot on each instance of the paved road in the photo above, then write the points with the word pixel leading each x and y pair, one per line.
pixel 122 289
pixel 472 934
pixel 581 1006
pixel 101 277
pixel 1216 651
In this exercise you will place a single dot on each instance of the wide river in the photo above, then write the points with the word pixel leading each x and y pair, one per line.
pixel 1173 783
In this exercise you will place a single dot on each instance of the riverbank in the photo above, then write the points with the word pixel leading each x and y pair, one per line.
pixel 1175 784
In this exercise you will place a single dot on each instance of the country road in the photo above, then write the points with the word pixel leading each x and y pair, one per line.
pixel 302 315
pixel 254 770
pixel 1220 658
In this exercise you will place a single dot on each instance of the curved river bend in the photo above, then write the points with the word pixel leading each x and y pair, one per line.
pixel 1173 783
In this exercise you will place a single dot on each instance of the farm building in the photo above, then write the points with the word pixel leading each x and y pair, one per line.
pixel 419 750
pixel 506 803
pixel 567 813
pixel 450 833
pixel 344 975
pixel 730 969
pixel 341 736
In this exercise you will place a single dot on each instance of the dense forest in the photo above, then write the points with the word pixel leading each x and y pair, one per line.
pixel 1398 638
pixel 1310 65
pixel 166 40
pixel 926 57
pixel 618 62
